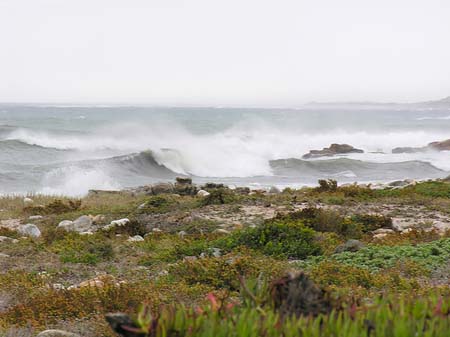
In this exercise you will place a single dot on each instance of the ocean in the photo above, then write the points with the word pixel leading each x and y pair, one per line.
pixel 68 150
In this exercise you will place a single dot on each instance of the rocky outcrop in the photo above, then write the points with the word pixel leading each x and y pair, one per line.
pixel 434 146
pixel 334 149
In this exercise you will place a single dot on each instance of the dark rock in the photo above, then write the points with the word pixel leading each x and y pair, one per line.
pixel 297 295
pixel 333 150
pixel 433 146
pixel 209 186
pixel 350 246
pixel 121 323
pixel 440 146
pixel 162 188
pixel 183 180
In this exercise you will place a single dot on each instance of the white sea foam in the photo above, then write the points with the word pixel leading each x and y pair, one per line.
pixel 243 150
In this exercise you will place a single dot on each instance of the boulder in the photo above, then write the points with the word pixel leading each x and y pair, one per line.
pixel 183 180
pixel 29 230
pixel 333 150
pixel 203 193
pixel 57 333
pixel 350 246
pixel 80 225
pixel 136 238
pixel 83 223
pixel 162 188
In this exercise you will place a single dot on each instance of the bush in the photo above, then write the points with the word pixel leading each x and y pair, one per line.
pixel 292 240
pixel 75 248
pixel 218 196
pixel 329 185
pixel 55 207
pixel 371 222
pixel 158 204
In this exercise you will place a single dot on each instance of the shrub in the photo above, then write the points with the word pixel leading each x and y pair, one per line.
pixel 218 196
pixel 158 204
pixel 329 185
pixel 75 248
pixel 371 222
pixel 55 207
pixel 292 240
pixel 225 271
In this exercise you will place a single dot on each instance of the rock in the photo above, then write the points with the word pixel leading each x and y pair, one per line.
pixel 242 190
pixel 4 255
pixel 274 190
pixel 183 180
pixel 433 146
pixel 136 238
pixel 28 201
pixel 440 146
pixel 35 217
pixel 66 224
pixel 216 252
pixel 182 234
pixel 8 239
pixel 203 193
pixel 120 222
pixel 380 235
pixel 398 183
pixel 383 231
pixel 334 149
pixel 162 188
pixel 98 219
pixel 82 224
pixel 221 231
pixel 97 282
pixel 211 186
pixel 350 246
pixel 57 333
pixel 156 230
pixel 29 230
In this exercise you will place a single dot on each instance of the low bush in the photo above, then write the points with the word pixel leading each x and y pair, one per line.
pixel 88 249
pixel 276 238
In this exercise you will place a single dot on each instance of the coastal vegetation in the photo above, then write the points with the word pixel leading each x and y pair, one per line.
pixel 223 262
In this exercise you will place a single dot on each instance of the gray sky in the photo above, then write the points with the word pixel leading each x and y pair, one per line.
pixel 231 52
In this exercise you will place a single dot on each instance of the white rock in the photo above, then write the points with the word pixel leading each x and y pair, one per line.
pixel 28 201
pixel 120 222
pixel 29 230
pixel 157 230
pixel 136 238
pixel 182 234
pixel 86 233
pixel 216 252
pixel 8 239
pixel 4 255
pixel 221 231
pixel 66 224
pixel 35 217
pixel 203 193
pixel 383 231
pixel 57 333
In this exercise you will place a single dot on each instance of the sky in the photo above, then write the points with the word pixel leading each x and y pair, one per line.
pixel 227 52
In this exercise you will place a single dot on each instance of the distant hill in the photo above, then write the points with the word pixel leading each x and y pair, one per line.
pixel 445 102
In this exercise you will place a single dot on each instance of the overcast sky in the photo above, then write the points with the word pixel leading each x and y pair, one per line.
pixel 227 52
